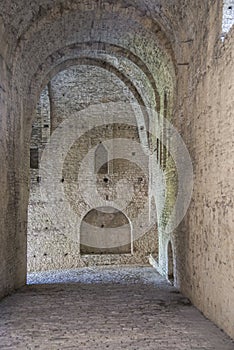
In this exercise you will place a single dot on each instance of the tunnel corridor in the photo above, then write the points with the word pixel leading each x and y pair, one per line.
pixel 116 150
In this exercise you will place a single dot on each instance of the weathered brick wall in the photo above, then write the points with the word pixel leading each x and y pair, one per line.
pixel 205 241
pixel 53 244
pixel 7 212
pixel 12 264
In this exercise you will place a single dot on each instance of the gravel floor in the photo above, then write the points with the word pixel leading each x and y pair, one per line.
pixel 93 275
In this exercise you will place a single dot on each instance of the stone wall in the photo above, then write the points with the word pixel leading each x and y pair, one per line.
pixel 7 246
pixel 205 241
pixel 53 243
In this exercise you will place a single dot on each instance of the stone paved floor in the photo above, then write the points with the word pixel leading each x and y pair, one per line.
pixel 104 308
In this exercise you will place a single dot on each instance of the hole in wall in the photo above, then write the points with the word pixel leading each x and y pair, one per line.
pixel 34 158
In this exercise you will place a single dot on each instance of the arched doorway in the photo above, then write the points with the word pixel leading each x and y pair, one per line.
pixel 105 230
pixel 170 262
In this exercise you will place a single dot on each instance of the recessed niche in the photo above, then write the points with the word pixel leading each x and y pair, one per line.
pixel 105 230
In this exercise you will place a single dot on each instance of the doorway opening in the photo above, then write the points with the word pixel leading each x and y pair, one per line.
pixel 170 263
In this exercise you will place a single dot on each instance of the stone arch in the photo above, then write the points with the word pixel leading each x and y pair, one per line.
pixel 143 115
pixel 23 53
pixel 82 51
pixel 105 230
pixel 85 60
pixel 55 13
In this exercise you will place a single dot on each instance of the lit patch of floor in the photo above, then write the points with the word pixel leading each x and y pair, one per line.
pixel 90 275
pixel 104 308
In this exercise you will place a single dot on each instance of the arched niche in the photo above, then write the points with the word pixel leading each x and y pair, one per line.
pixel 105 230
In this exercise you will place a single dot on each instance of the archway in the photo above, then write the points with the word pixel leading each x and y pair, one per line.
pixel 35 44
pixel 53 239
pixel 170 263
pixel 105 230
